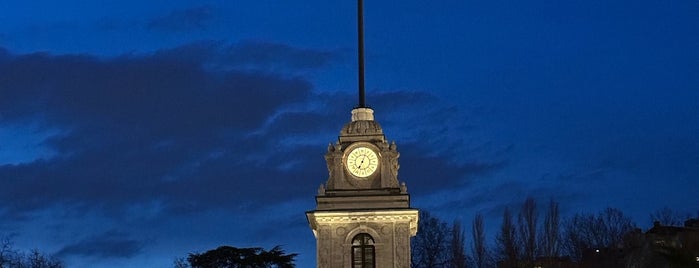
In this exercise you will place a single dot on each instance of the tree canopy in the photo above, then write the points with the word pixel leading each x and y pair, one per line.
pixel 232 257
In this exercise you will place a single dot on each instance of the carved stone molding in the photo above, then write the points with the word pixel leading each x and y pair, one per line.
pixel 410 216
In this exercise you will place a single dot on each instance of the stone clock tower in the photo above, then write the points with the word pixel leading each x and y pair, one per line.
pixel 363 217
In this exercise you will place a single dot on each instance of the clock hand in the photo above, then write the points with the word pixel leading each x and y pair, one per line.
pixel 360 163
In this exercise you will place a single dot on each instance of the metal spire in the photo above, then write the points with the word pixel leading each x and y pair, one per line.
pixel 360 27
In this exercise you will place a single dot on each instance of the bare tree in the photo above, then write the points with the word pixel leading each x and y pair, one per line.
pixel 615 226
pixel 667 216
pixel 575 235
pixel 36 259
pixel 7 255
pixel 506 240
pixel 11 258
pixel 550 235
pixel 458 253
pixel 587 231
pixel 480 254
pixel 429 246
pixel 527 228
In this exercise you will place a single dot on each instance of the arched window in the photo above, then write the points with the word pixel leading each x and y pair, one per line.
pixel 363 255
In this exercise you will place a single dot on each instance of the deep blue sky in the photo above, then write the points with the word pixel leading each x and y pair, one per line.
pixel 135 132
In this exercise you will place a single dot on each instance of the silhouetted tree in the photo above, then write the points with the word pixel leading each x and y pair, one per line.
pixel 506 241
pixel 458 253
pixel 36 259
pixel 430 246
pixel 587 231
pixel 11 258
pixel 518 245
pixel 575 234
pixel 615 226
pixel 550 235
pixel 527 222
pixel 480 253
pixel 232 257
pixel 7 255
pixel 5 252
pixel 181 263
pixel 667 216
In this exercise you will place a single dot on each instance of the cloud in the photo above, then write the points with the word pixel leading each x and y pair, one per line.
pixel 279 55
pixel 253 56
pixel 134 127
pixel 111 244
pixel 182 20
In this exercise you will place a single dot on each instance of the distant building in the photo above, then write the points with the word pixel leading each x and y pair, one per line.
pixel 660 247
pixel 674 246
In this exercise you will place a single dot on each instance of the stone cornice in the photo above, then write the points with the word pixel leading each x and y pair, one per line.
pixel 316 218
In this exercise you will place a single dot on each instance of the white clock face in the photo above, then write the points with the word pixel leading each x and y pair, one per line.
pixel 362 162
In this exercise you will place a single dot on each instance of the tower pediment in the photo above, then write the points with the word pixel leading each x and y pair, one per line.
pixel 361 130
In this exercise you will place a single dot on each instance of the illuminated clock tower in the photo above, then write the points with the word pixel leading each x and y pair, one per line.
pixel 363 217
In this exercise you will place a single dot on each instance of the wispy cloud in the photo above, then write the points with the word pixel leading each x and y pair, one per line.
pixel 111 244
pixel 180 20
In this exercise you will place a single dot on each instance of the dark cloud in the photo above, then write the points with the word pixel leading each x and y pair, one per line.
pixel 182 20
pixel 253 56
pixel 136 127
pixel 278 55
pixel 154 91
pixel 111 244
pixel 426 173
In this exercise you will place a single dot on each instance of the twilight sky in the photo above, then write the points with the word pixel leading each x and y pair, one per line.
pixel 135 132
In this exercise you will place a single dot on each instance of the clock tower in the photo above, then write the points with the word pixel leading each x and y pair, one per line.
pixel 363 217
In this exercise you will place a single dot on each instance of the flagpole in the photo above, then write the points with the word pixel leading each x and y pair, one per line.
pixel 360 39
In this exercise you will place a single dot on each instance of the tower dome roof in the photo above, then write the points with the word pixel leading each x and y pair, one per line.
pixel 362 123
pixel 361 127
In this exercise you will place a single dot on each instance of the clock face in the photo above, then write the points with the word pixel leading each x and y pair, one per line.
pixel 362 162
